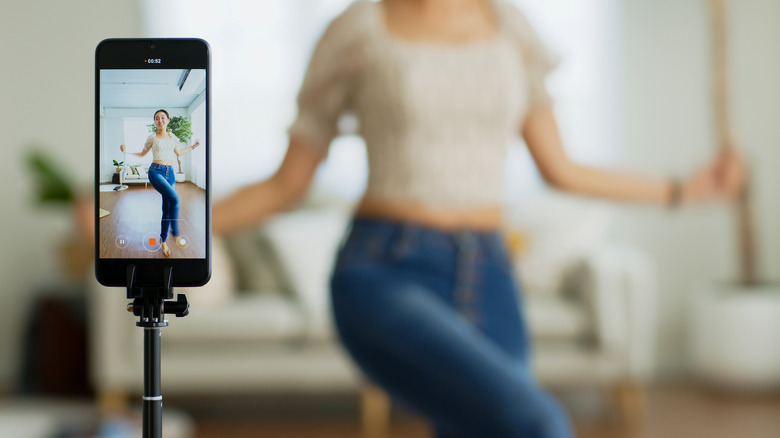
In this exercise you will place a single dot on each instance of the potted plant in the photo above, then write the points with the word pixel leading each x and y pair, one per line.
pixel 53 187
pixel 118 165
pixel 735 324
pixel 181 128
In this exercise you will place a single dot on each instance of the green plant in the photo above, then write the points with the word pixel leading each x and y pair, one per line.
pixel 119 163
pixel 179 126
pixel 51 183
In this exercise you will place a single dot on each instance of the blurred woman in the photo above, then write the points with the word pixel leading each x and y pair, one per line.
pixel 423 294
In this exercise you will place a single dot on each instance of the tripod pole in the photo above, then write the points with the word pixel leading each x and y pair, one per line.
pixel 152 399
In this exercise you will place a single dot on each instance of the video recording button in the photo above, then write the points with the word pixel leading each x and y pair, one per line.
pixel 152 242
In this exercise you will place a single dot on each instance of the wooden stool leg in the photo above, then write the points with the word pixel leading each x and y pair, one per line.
pixel 630 400
pixel 375 411
pixel 112 402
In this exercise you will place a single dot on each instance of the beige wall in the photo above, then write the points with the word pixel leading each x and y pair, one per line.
pixel 46 99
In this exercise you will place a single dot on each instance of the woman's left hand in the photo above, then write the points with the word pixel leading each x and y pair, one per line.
pixel 721 179
pixel 197 143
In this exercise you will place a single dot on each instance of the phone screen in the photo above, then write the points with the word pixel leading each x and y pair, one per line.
pixel 152 157
pixel 153 163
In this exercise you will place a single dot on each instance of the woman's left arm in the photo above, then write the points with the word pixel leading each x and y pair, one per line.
pixel 186 150
pixel 721 179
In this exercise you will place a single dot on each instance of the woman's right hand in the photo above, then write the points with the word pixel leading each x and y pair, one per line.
pixel 721 179
pixel 122 147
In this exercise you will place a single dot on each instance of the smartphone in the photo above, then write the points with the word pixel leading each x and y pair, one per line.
pixel 152 162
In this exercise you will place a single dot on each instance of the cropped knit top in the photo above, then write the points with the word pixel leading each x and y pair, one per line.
pixel 162 148
pixel 437 119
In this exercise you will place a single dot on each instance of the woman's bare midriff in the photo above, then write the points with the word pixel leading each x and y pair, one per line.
pixel 163 163
pixel 484 219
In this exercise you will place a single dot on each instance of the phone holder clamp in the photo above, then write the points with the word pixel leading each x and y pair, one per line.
pixel 151 304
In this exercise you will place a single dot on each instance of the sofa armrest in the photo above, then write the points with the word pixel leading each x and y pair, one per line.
pixel 620 287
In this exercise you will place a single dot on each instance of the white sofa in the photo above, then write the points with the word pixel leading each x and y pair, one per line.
pixel 595 328
pixel 128 176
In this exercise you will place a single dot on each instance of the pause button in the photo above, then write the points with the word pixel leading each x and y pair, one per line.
pixel 122 241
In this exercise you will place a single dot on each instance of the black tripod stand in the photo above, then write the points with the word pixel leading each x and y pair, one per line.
pixel 151 304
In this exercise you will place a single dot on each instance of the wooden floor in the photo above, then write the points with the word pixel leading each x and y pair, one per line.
pixel 135 215
pixel 672 412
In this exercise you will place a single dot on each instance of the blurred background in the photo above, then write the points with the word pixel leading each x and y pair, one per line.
pixel 639 322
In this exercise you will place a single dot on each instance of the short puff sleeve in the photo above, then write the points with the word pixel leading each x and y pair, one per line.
pixel 330 78
pixel 537 59
pixel 149 143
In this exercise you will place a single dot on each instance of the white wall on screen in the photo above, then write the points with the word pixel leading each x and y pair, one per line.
pixel 112 133
pixel 197 161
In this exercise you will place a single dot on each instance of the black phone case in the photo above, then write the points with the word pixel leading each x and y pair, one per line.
pixel 150 54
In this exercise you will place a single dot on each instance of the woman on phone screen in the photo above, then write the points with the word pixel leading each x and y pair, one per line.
pixel 165 150
pixel 423 296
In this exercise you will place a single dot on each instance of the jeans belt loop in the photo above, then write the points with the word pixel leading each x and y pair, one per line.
pixel 466 240
pixel 409 234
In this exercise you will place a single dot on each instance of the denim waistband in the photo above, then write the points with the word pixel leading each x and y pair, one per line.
pixel 411 231
pixel 160 166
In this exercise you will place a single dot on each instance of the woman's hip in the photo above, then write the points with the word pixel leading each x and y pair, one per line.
pixel 160 175
pixel 380 251
pixel 161 169
pixel 392 274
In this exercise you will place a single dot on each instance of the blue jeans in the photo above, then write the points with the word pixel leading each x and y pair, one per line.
pixel 163 179
pixel 434 318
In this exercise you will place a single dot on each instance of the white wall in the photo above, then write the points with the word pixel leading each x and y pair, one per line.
pixel 46 86
pixel 666 128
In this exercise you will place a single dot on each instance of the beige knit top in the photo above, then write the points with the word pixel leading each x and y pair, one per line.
pixel 437 119
pixel 163 149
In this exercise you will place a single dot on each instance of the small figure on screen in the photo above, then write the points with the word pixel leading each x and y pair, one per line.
pixel 165 150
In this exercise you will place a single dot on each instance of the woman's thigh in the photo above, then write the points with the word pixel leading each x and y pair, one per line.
pixel 432 359
pixel 501 305
pixel 159 181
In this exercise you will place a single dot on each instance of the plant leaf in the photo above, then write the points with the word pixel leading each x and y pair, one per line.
pixel 50 181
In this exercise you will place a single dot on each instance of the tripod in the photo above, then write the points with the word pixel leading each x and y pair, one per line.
pixel 151 304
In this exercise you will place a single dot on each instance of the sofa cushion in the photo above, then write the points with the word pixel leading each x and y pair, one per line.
pixel 307 242
pixel 247 318
pixel 574 365
pixel 256 263
pixel 554 319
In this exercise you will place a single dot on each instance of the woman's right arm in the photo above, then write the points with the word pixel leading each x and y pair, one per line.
pixel 137 154
pixel 323 97
pixel 253 203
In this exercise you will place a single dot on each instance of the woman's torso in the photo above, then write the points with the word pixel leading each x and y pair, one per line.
pixel 437 119
pixel 163 149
